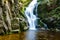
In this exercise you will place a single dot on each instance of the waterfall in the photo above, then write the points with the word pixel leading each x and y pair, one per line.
pixel 31 17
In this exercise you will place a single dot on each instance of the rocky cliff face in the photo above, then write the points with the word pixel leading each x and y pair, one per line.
pixel 49 14
pixel 11 17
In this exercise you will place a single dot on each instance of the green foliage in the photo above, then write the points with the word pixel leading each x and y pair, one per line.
pixel 47 12
pixel 24 4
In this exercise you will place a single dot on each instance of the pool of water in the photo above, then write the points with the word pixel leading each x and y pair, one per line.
pixel 33 35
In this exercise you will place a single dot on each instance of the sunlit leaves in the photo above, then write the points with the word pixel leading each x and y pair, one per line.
pixel 23 4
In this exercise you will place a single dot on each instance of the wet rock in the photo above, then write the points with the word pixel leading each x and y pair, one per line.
pixel 51 22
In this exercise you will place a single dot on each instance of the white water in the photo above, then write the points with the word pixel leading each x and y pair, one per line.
pixel 30 15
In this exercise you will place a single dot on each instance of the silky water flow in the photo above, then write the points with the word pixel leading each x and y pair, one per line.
pixel 31 17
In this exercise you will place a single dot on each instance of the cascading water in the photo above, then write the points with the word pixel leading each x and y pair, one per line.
pixel 31 17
